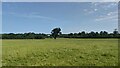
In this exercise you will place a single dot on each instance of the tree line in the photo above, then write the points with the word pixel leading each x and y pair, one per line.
pixel 83 34
pixel 29 35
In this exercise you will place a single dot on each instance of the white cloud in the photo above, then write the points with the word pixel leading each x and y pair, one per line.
pixel 109 9
pixel 104 5
pixel 100 6
pixel 32 15
pixel 89 11
pixel 39 16
pixel 110 16
pixel 95 9
pixel 112 13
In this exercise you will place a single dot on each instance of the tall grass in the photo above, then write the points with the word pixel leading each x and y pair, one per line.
pixel 60 52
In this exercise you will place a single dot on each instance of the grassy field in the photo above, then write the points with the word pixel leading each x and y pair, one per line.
pixel 60 52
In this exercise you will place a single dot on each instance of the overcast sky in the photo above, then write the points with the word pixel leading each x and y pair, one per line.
pixel 70 17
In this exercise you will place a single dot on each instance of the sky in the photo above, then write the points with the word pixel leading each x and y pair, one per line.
pixel 42 17
pixel 60 0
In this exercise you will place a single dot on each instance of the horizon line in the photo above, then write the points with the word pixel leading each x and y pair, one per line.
pixel 49 33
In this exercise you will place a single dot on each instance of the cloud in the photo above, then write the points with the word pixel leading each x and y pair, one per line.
pixel 95 9
pixel 38 16
pixel 98 6
pixel 110 16
pixel 104 5
pixel 112 13
pixel 107 18
pixel 32 15
pixel 103 11
pixel 90 11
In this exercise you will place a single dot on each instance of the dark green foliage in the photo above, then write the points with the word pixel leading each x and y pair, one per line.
pixel 55 32
pixel 83 34
pixel 23 36
pixel 115 33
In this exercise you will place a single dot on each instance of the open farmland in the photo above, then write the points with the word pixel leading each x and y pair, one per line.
pixel 60 52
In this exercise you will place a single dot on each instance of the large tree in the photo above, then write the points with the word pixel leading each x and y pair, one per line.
pixel 115 33
pixel 55 32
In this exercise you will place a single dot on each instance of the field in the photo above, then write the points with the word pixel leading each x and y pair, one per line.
pixel 60 52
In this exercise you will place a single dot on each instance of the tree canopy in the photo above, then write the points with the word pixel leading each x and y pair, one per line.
pixel 55 32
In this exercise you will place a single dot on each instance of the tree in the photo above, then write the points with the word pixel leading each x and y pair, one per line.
pixel 92 34
pixel 101 33
pixel 105 33
pixel 83 34
pixel 97 34
pixel 55 32
pixel 115 33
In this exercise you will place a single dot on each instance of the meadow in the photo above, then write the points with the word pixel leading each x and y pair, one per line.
pixel 60 52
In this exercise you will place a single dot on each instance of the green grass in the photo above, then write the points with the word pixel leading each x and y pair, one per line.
pixel 60 52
